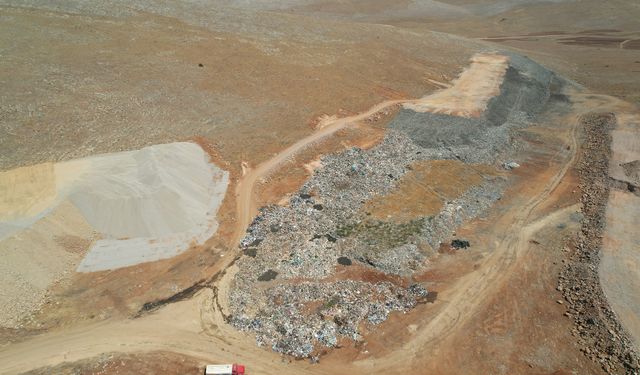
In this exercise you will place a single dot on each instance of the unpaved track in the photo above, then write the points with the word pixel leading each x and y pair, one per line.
pixel 190 327
pixel 465 296
pixel 195 327
pixel 469 95
pixel 245 190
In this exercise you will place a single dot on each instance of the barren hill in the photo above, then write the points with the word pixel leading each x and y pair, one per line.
pixel 312 186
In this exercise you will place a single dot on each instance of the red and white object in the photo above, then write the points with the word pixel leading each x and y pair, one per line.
pixel 233 369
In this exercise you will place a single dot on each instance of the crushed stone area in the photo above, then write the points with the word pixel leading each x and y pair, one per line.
pixel 599 334
pixel 287 291
pixel 147 204
pixel 524 92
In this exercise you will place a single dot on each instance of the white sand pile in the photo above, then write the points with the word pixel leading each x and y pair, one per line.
pixel 150 204
pixel 470 92
pixel 101 213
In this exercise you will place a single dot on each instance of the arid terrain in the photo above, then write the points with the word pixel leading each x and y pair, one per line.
pixel 320 186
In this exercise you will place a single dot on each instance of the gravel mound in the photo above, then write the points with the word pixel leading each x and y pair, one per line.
pixel 523 93
pixel 104 212
pixel 152 192
pixel 148 204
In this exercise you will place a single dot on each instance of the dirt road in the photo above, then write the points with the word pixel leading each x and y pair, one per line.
pixel 465 296
pixel 194 327
pixel 184 330
pixel 245 190
pixel 467 96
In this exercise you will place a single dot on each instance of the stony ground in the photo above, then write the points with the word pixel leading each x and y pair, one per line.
pixel 286 292
pixel 599 334
pixel 110 76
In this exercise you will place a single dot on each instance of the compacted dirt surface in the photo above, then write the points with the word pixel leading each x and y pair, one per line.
pixel 394 199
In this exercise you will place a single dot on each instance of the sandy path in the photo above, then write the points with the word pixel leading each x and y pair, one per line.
pixel 189 327
pixel 195 327
pixel 465 296
pixel 246 207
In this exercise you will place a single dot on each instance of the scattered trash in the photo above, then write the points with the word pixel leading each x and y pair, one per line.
pixel 300 244
pixel 459 244
pixel 510 165
pixel 268 276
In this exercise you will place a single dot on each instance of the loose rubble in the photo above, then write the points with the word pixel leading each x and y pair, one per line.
pixel 509 165
pixel 286 292
pixel 599 334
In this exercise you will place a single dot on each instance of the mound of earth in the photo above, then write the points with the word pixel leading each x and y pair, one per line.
pixel 102 213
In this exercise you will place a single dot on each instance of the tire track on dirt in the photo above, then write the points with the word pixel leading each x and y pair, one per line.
pixel 180 325
pixel 464 297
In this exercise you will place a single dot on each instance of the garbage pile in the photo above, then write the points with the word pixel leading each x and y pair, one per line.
pixel 294 318
pixel 284 292
pixel 287 291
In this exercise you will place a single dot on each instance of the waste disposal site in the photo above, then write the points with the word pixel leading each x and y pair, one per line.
pixel 319 187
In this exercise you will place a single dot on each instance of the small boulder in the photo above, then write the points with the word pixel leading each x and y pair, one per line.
pixel 460 244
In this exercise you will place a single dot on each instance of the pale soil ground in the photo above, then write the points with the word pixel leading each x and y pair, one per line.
pixel 470 93
pixel 94 80
pixel 620 265
pixel 195 327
